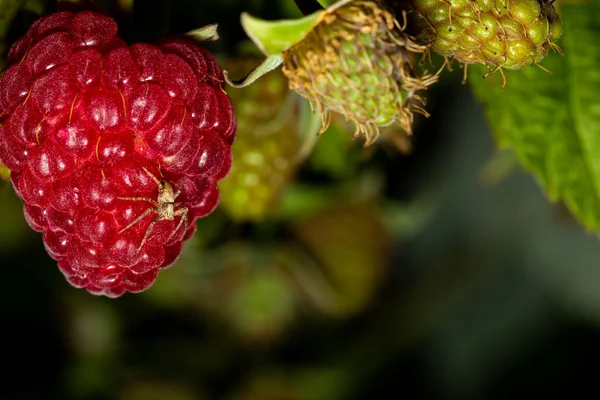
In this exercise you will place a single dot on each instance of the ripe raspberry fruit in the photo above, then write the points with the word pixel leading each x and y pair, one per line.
pixel 356 61
pixel 115 150
pixel 266 148
pixel 497 33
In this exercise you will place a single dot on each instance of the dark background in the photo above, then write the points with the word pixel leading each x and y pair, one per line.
pixel 488 290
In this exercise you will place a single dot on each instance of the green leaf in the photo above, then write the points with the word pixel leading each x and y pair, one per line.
pixel 333 4
pixel 333 153
pixel 204 34
pixel 268 65
pixel 326 3
pixel 273 37
pixel 552 121
pixel 35 7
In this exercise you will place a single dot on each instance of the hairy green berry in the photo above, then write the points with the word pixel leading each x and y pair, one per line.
pixel 497 33
pixel 356 61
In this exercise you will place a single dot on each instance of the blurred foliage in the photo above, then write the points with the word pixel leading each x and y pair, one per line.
pixel 353 247
pixel 8 11
pixel 424 266
pixel 14 231
pixel 4 172
pixel 156 390
pixel 253 291
pixel 260 290
pixel 298 384
pixel 334 153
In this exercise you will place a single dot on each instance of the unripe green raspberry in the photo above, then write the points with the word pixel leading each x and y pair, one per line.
pixel 265 148
pixel 497 33
pixel 356 62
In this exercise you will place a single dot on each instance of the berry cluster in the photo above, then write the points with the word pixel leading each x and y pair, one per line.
pixel 498 33
pixel 114 149
pixel 266 148
pixel 356 61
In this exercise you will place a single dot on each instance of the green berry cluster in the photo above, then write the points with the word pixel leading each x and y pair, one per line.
pixel 498 33
pixel 265 147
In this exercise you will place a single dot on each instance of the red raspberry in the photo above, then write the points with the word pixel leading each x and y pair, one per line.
pixel 98 134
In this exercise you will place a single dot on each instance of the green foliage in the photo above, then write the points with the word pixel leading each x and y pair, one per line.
pixel 552 121
pixel 333 153
pixel 353 248
pixel 327 3
pixel 273 37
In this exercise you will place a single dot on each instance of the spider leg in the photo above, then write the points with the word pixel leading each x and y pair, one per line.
pixel 183 212
pixel 179 188
pixel 139 199
pixel 503 79
pixel 147 233
pixel 138 219
pixel 151 175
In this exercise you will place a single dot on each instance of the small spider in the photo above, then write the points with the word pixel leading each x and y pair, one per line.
pixel 164 207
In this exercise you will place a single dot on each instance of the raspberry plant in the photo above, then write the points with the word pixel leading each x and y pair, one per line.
pixel 116 150
pixel 547 115
pixel 352 58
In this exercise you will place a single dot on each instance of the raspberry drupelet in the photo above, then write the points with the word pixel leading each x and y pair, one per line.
pixel 115 150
